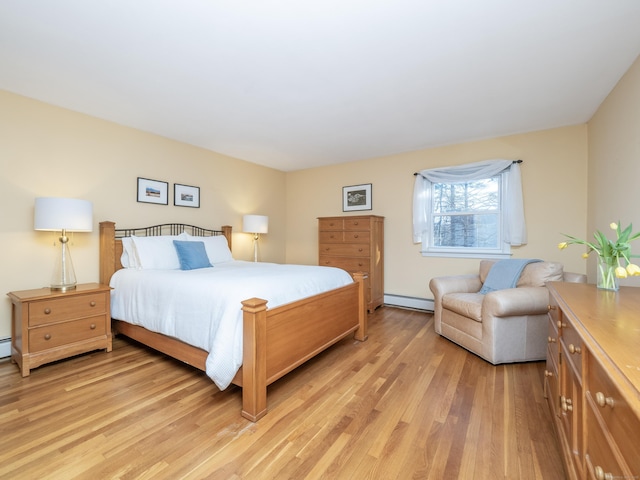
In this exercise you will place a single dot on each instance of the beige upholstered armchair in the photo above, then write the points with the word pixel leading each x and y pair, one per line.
pixel 502 326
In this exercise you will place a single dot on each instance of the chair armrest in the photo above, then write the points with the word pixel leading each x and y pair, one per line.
pixel 440 286
pixel 516 301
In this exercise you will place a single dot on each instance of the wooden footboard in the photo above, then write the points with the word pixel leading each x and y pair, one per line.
pixel 275 341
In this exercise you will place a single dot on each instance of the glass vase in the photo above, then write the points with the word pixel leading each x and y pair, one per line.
pixel 607 279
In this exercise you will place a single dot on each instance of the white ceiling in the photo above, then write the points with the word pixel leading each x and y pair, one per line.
pixel 296 84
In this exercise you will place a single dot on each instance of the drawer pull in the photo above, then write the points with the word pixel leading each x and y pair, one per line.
pixel 93 303
pixel 47 336
pixel 601 474
pixel 560 324
pixel 355 223
pixel 551 307
pixel 551 340
pixel 566 404
pixel 574 350
pixel 360 249
pixel 547 373
pixel 355 235
pixel 92 326
pixel 47 311
pixel 603 401
pixel 332 236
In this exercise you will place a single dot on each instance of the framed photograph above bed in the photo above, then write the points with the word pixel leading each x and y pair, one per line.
pixel 356 197
pixel 153 191
pixel 186 196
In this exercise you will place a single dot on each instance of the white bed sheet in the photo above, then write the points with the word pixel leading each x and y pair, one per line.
pixel 203 307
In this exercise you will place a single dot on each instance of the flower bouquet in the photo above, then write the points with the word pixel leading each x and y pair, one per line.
pixel 612 256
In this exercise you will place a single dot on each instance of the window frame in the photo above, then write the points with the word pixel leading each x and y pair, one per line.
pixel 502 251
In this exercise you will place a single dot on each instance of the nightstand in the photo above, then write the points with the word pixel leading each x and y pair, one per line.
pixel 49 325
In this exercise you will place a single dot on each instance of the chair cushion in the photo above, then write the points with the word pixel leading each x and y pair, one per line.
pixel 534 274
pixel 466 304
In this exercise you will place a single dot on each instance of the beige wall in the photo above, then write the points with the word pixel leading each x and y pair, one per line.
pixel 614 161
pixel 554 184
pixel 50 151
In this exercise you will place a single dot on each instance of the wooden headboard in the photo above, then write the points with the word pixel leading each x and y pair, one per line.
pixel 111 241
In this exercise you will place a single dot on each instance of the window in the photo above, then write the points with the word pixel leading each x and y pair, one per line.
pixel 466 218
pixel 473 210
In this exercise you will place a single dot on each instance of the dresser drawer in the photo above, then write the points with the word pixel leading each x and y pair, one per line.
pixel 357 237
pixel 331 224
pixel 331 237
pixel 357 224
pixel 346 263
pixel 55 335
pixel 615 412
pixel 573 347
pixel 553 339
pixel 601 461
pixel 58 309
pixel 342 249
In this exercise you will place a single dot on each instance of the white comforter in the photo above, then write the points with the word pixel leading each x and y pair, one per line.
pixel 202 307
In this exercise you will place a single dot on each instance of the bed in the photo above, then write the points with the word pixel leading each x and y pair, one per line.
pixel 274 340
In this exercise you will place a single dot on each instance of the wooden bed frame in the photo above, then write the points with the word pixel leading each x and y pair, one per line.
pixel 275 340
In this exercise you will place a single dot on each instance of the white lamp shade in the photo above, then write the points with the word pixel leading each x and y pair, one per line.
pixel 54 214
pixel 255 224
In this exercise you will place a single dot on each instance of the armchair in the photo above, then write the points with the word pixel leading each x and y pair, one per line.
pixel 502 326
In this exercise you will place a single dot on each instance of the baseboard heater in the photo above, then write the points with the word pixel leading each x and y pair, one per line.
pixel 408 302
pixel 5 347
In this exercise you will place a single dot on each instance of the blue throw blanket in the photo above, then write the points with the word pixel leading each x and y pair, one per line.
pixel 505 274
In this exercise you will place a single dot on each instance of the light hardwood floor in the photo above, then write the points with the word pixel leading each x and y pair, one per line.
pixel 406 404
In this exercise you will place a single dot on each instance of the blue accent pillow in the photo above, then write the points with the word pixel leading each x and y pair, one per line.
pixel 192 255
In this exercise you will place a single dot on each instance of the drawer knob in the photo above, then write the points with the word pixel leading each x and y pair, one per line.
pixel 355 223
pixel 92 326
pixel 547 373
pixel 355 235
pixel 574 350
pixel 360 249
pixel 92 303
pixel 47 311
pixel 551 340
pixel 601 474
pixel 566 404
pixel 603 401
pixel 47 336
pixel 551 307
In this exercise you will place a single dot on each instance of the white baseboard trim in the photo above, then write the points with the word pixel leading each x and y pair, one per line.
pixel 5 347
pixel 408 302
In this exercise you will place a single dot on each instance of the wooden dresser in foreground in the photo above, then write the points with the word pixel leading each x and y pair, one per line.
pixel 49 325
pixel 355 244
pixel 592 379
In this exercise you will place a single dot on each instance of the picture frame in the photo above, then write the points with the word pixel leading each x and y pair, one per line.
pixel 153 191
pixel 356 197
pixel 186 196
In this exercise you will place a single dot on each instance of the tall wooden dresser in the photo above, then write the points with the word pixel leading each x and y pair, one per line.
pixel 355 244
pixel 592 379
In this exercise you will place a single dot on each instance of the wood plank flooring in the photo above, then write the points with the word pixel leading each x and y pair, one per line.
pixel 406 404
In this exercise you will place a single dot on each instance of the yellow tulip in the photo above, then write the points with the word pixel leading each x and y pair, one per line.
pixel 563 245
pixel 613 226
pixel 633 269
pixel 621 272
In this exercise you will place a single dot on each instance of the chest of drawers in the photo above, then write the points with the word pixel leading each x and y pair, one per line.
pixel 592 379
pixel 355 244
pixel 48 325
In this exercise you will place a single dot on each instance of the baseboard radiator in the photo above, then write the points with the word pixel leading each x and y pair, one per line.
pixel 408 302
pixel 5 347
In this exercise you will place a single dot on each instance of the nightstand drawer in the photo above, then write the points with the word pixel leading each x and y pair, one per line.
pixel 59 309
pixel 50 336
pixel 348 250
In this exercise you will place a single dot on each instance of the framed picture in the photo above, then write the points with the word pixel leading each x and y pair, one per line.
pixel 356 197
pixel 186 196
pixel 153 191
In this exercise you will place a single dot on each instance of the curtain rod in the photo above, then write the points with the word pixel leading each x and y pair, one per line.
pixel 515 161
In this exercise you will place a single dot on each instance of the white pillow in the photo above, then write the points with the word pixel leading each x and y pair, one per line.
pixel 129 258
pixel 217 248
pixel 158 253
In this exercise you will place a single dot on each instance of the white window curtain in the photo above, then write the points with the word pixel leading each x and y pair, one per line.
pixel 515 229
